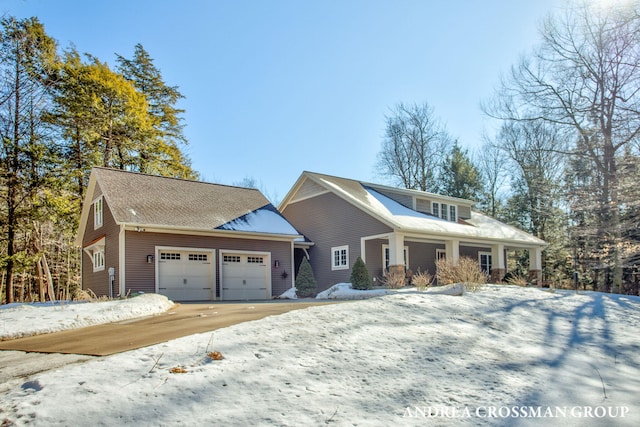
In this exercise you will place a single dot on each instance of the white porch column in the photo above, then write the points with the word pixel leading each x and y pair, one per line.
pixel 535 266
pixel 452 249
pixel 396 251
pixel 498 266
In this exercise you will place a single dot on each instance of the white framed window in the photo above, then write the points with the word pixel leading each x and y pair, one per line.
pixel 385 257
pixel 95 250
pixel 441 254
pixel 98 259
pixel 340 257
pixel 485 260
pixel 97 213
pixel 445 211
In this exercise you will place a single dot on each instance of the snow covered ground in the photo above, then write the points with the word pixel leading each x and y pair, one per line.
pixel 503 356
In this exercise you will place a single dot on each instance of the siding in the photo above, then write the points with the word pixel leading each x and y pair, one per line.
pixel 329 221
pixel 140 276
pixel 98 282
pixel 421 256
pixel 309 189
pixel 423 205
pixel 404 199
pixel 464 212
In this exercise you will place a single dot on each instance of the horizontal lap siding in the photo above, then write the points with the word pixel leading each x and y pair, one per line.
pixel 328 221
pixel 98 282
pixel 140 276
pixel 422 256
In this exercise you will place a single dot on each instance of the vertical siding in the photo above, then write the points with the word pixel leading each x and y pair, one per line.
pixel 329 221
pixel 98 282
pixel 140 276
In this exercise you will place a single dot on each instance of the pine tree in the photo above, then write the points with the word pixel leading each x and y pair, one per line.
pixel 305 282
pixel 460 177
pixel 360 275
pixel 165 157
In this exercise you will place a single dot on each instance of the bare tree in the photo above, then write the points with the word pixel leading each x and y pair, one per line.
pixel 491 160
pixel 414 147
pixel 585 78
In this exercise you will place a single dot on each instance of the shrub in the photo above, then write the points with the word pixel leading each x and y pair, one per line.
pixel 467 272
pixel 360 276
pixel 422 280
pixel 516 279
pixel 393 279
pixel 305 282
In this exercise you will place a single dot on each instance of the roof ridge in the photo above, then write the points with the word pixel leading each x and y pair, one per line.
pixel 109 169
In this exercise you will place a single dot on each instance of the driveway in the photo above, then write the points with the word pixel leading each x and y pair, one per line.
pixel 179 321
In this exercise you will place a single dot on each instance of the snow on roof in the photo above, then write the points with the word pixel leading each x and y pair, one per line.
pixel 402 218
pixel 263 220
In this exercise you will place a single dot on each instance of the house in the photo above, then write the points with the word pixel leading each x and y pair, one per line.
pixel 392 228
pixel 185 239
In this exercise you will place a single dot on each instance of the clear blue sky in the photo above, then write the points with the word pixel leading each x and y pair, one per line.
pixel 277 87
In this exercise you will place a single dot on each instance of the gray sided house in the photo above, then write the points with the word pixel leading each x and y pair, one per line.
pixel 185 239
pixel 392 228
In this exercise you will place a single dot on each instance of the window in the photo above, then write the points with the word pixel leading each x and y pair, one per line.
pixel 198 257
pixel 255 260
pixel 231 258
pixel 169 255
pixel 340 258
pixel 444 211
pixel 95 251
pixel 97 213
pixel 98 259
pixel 441 254
pixel 385 256
pixel 485 261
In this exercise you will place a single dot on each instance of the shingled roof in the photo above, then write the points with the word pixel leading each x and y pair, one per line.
pixel 149 200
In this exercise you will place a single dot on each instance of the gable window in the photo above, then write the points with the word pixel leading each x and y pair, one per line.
pixel 340 258
pixel 97 213
pixel 95 250
pixel 444 211
pixel 385 257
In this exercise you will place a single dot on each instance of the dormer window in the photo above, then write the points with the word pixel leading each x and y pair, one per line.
pixel 445 211
pixel 97 213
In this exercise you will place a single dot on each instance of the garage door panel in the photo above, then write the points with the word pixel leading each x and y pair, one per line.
pixel 185 275
pixel 244 277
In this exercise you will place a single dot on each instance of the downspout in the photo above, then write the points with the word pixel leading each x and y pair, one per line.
pixel 121 261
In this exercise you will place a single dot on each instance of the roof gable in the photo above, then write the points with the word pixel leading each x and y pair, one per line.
pixel 148 200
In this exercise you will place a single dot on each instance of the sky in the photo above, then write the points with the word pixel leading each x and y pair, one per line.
pixel 273 88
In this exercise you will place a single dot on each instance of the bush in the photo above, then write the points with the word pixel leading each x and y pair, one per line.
pixel 516 279
pixel 422 280
pixel 467 272
pixel 393 280
pixel 360 276
pixel 305 282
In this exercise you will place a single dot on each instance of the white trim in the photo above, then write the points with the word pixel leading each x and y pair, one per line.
pixel 156 257
pixel 335 249
pixel 122 261
pixel 97 247
pixel 267 255
pixel 98 218
pixel 441 254
pixel 385 247
pixel 142 228
pixel 490 259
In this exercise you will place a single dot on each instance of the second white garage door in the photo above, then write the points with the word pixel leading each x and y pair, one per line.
pixel 245 276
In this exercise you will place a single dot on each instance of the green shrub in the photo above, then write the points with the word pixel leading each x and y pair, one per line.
pixel 360 275
pixel 306 284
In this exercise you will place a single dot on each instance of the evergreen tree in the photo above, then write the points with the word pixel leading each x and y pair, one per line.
pixel 306 284
pixel 26 56
pixel 460 177
pixel 160 152
pixel 360 275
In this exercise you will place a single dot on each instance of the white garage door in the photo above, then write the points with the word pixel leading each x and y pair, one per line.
pixel 245 276
pixel 185 275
